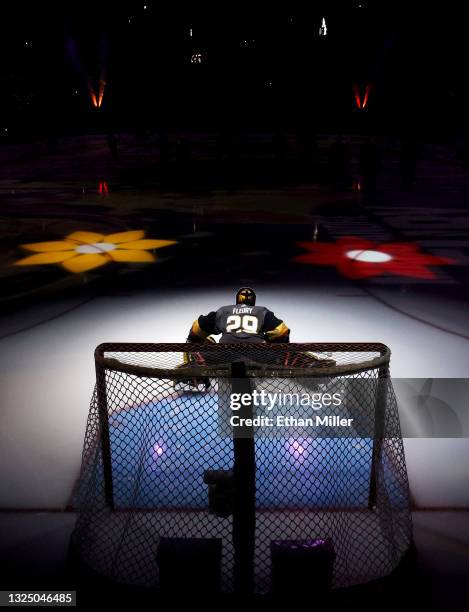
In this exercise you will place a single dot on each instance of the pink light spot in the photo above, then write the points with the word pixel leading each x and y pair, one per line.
pixel 157 451
pixel 297 449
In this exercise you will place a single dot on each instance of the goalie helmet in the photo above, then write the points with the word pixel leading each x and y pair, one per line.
pixel 247 296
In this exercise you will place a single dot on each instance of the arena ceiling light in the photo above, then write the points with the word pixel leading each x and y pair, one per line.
pixel 197 57
pixel 361 103
pixel 323 27
pixel 83 251
pixel 97 97
pixel 356 257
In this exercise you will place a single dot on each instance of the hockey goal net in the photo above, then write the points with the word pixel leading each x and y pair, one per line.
pixel 160 434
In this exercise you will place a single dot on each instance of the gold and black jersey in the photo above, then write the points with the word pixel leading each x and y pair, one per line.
pixel 240 323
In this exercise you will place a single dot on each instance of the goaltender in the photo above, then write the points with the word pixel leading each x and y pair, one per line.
pixel 241 322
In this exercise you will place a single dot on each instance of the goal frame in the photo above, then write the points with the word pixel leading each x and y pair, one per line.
pixel 235 372
pixel 238 366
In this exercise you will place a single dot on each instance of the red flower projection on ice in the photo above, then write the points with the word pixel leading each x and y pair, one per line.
pixel 358 258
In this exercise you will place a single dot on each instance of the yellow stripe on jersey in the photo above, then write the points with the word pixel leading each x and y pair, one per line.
pixel 280 330
pixel 197 330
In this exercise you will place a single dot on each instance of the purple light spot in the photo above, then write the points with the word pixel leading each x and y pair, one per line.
pixel 157 451
pixel 297 449
pixel 314 543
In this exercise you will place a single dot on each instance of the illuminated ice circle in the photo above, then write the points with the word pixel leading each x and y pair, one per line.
pixel 368 256
pixel 97 247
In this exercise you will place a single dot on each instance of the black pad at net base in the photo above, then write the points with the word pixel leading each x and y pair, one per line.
pixel 189 564
pixel 302 566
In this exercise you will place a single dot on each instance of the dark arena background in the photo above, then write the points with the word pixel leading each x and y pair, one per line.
pixel 153 160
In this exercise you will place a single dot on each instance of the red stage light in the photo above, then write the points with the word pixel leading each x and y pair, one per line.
pixel 358 101
pixel 97 100
pixel 103 188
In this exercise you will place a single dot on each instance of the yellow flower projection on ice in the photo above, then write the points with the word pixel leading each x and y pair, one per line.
pixel 83 251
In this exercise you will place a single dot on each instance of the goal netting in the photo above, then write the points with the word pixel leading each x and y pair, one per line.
pixel 163 461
